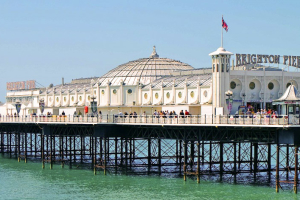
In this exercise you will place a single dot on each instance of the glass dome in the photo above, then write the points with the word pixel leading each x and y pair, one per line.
pixel 144 70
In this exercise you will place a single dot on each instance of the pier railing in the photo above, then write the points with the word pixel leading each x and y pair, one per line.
pixel 158 119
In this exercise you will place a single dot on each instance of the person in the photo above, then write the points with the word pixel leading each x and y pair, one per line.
pixel 248 112
pixel 181 113
pixel 63 113
pixel 186 113
pixel 100 113
pixel 79 113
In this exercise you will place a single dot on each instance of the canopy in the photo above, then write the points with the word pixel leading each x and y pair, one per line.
pixel 290 96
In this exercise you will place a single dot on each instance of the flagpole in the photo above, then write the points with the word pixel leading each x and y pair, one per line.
pixel 222 33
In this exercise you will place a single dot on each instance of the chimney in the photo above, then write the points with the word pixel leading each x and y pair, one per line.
pixel 62 81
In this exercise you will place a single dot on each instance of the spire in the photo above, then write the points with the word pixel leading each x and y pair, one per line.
pixel 154 54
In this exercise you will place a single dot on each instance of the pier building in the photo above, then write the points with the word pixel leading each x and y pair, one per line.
pixel 216 137
pixel 148 84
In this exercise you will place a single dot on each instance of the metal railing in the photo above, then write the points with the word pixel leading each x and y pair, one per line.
pixel 161 119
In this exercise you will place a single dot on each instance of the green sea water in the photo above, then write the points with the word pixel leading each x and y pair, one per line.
pixel 21 180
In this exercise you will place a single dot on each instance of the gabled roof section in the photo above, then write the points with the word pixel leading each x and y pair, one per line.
pixel 289 95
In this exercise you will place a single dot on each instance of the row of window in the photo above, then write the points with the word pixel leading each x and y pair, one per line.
pixel 222 68
pixel 129 91
pixel 18 99
pixel 192 94
pixel 252 85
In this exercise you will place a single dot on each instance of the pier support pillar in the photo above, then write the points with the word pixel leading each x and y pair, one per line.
pixel 255 145
pixel 185 160
pixel 277 168
pixel 234 162
pixel 43 153
pixel 51 152
pixel 149 155
pixel 159 156
pixel 198 162
pixel 25 151
pixel 19 147
pixel 296 170
pixel 221 161
pixel 105 155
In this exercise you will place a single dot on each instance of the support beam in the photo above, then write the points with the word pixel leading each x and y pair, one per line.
pixel 277 168
pixel 296 170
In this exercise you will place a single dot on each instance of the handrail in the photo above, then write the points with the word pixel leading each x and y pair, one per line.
pixel 159 119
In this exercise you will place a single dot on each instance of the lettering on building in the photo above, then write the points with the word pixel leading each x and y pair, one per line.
pixel 244 59
pixel 20 85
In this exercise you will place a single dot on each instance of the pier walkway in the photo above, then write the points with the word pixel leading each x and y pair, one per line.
pixel 247 120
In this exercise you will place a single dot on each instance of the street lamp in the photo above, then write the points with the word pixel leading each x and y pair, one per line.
pixel 244 95
pixel 229 94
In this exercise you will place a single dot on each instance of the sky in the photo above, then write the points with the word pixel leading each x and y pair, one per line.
pixel 47 40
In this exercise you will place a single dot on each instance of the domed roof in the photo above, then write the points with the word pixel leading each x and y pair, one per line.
pixel 144 70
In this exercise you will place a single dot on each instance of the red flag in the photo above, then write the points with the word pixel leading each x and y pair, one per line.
pixel 224 25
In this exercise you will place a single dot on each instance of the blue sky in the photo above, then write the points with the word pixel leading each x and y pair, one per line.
pixel 48 40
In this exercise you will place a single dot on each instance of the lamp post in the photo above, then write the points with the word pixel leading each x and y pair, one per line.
pixel 229 94
pixel 244 95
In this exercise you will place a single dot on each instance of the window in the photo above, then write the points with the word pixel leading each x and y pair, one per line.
pixel 252 85
pixel 232 85
pixel 156 95
pixel 145 96
pixel 102 92
pixel 57 99
pixel 168 95
pixel 192 94
pixel 72 99
pixel 65 99
pixel 179 94
pixel 115 91
pixel 80 98
pixel 205 93
pixel 271 86
pixel 129 91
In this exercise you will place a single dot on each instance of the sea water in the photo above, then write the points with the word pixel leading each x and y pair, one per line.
pixel 21 180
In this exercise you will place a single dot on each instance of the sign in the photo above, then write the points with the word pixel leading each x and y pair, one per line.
pixel 229 104
pixel 244 59
pixel 94 106
pixel 18 107
pixel 20 85
pixel 42 106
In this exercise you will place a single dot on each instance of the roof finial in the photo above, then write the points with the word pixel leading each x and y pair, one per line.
pixel 154 54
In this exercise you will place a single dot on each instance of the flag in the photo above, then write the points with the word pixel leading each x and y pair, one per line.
pixel 224 25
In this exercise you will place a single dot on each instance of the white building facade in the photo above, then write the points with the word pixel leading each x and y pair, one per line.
pixel 161 84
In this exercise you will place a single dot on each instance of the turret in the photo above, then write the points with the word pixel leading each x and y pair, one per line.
pixel 220 80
